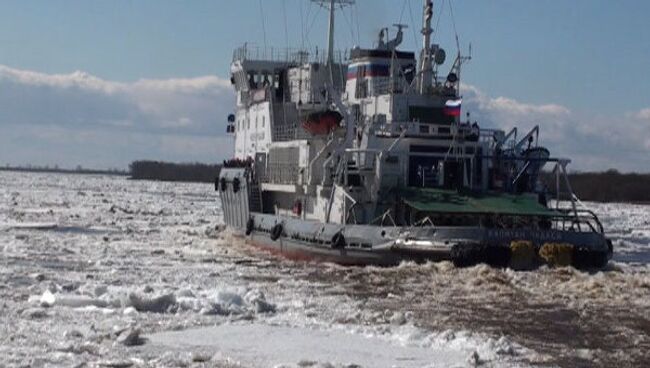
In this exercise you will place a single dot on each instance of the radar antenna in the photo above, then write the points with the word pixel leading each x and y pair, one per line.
pixel 391 44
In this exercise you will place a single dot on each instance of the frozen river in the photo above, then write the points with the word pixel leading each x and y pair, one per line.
pixel 102 271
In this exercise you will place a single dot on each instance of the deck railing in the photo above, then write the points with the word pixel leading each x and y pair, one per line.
pixel 286 55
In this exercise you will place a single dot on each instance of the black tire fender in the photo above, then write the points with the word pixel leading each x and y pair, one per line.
pixel 250 224
pixel 338 241
pixel 584 258
pixel 466 254
pixel 276 232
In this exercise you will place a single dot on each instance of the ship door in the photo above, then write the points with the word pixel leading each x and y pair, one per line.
pixel 260 166
pixel 423 171
pixel 453 178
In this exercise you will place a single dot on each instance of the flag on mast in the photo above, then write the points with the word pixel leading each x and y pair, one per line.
pixel 452 107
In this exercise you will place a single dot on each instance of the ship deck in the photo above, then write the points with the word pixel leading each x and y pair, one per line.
pixel 453 202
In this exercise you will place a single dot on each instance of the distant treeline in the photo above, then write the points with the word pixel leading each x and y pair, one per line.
pixel 167 171
pixel 608 186
pixel 58 170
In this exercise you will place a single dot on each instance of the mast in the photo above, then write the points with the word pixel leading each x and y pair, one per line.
pixel 330 36
pixel 331 6
pixel 425 57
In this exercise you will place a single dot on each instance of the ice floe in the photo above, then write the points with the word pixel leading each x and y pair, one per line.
pixel 158 266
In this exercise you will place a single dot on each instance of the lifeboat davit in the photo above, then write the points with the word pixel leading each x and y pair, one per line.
pixel 322 122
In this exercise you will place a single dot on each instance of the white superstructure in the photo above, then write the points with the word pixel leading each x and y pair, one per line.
pixel 364 157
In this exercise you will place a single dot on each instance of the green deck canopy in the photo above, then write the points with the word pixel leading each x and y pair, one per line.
pixel 450 201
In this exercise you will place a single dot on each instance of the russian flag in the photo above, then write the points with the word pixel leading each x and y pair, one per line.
pixel 452 107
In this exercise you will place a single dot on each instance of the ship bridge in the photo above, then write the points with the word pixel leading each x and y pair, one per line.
pixel 253 67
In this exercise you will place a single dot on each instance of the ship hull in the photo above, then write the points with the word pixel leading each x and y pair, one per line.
pixel 293 236
pixel 370 245
pixel 298 251
pixel 301 251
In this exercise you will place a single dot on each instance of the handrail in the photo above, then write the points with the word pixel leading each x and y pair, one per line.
pixel 285 55
pixel 582 214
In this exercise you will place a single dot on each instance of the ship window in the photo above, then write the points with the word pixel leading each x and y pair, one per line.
pixel 429 149
pixel 428 114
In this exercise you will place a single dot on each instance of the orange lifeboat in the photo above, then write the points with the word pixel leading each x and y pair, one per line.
pixel 322 122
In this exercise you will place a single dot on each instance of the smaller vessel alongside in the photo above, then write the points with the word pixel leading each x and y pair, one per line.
pixel 365 159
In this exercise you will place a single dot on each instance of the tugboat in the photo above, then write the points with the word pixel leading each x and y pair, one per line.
pixel 363 159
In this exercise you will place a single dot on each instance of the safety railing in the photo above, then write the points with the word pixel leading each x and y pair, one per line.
pixel 578 220
pixel 286 55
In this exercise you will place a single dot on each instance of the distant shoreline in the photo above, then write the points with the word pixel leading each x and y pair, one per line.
pixel 66 171
pixel 608 186
pixel 174 172
pixel 604 187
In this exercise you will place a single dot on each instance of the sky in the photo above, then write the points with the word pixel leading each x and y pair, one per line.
pixel 103 83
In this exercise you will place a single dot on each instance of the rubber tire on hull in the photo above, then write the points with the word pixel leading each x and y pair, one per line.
pixel 471 254
pixel 276 232
pixel 497 256
pixel 250 224
pixel 338 241
pixel 466 254
pixel 236 184
pixel 584 258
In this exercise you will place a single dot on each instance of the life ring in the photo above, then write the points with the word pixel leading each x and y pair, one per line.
pixel 276 232
pixel 250 224
pixel 338 241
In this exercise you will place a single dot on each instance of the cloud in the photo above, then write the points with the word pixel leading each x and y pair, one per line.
pixel 643 114
pixel 78 118
pixel 47 111
pixel 506 113
pixel 592 142
pixel 510 106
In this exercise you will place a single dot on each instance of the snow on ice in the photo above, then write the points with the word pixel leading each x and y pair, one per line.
pixel 102 271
